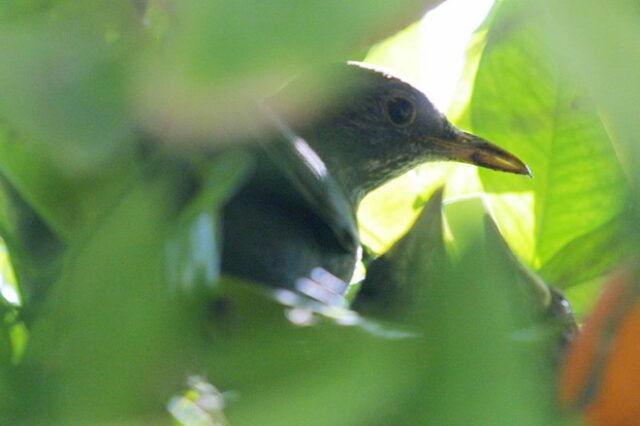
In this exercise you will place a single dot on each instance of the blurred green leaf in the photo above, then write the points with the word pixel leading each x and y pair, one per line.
pixel 386 213
pixel 568 266
pixel 221 57
pixel 66 140
pixel 16 9
pixel 398 53
pixel 601 46
pixel 44 209
pixel 480 373
pixel 526 103
pixel 327 373
pixel 219 40
pixel 463 365
pixel 193 248
pixel 539 310
pixel 546 310
pixel 156 17
pixel 8 397
pixel 109 337
pixel 5 342
pixel 66 204
pixel 109 343
pixel 583 297
pixel 27 170
pixel 63 80
pixel 535 289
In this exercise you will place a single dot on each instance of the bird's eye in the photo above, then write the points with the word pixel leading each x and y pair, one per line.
pixel 401 111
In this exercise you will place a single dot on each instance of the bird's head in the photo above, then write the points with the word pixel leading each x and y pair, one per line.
pixel 378 127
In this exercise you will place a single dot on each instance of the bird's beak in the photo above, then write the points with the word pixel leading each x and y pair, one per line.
pixel 468 148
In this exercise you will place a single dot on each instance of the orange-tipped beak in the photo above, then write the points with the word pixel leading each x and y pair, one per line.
pixel 468 148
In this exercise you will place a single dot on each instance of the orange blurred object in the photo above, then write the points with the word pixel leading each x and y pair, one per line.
pixel 601 375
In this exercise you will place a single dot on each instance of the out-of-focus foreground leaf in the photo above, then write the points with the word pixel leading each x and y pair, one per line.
pixel 589 247
pixel 108 340
pixel 601 47
pixel 63 79
pixel 220 40
pixel 524 100
pixel 116 333
pixel 219 57
pixel 193 249
pixel 77 78
pixel 473 315
pixel 459 363
pixel 321 374
pixel 111 343
pixel 66 140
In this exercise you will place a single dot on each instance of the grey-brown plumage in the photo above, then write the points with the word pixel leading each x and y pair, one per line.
pixel 298 211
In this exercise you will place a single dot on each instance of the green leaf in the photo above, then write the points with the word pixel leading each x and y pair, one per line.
pixel 17 9
pixel 480 373
pixel 568 266
pixel 386 213
pixel 221 57
pixel 221 39
pixel 193 247
pixel 66 138
pixel 292 362
pixel 601 48
pixel 43 187
pixel 62 76
pixel 536 290
pixel 6 349
pixel 108 330
pixel 523 101
pixel 43 208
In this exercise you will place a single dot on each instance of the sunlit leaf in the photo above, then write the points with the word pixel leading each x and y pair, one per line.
pixel 523 101
pixel 398 53
pixel 568 266
pixel 601 47
pixel 386 213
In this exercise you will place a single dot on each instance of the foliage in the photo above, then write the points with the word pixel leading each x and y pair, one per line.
pixel 111 214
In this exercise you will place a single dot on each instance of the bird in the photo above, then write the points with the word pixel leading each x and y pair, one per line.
pixel 293 225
